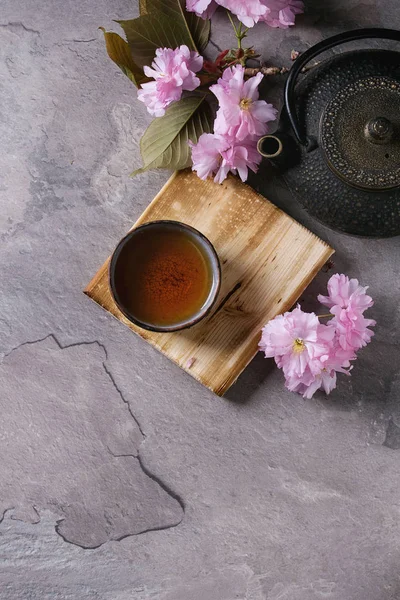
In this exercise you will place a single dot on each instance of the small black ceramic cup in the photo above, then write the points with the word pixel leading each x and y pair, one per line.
pixel 161 263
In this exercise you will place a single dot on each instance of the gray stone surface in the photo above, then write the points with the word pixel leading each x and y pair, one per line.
pixel 120 477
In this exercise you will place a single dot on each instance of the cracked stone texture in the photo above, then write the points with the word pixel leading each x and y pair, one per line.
pixel 82 416
pixel 104 443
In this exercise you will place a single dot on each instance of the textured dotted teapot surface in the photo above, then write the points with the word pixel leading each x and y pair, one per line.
pixel 360 133
pixel 319 189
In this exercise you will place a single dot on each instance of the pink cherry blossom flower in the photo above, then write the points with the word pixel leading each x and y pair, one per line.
pixel 351 327
pixel 338 361
pixel 173 72
pixel 310 353
pixel 299 343
pixel 282 13
pixel 217 155
pixel 203 8
pixel 241 114
pixel 248 12
pixel 345 292
pixel 347 301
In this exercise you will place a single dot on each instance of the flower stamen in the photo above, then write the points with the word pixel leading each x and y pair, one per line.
pixel 245 103
pixel 298 345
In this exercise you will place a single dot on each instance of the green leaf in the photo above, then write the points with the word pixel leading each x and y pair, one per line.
pixel 164 144
pixel 153 31
pixel 198 29
pixel 119 52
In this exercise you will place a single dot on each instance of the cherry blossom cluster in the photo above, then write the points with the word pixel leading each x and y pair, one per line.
pixel 276 13
pixel 241 117
pixel 240 121
pixel 310 353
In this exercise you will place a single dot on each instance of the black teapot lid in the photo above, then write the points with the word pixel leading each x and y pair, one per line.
pixel 360 133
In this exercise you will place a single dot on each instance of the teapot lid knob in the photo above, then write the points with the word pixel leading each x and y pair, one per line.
pixel 379 130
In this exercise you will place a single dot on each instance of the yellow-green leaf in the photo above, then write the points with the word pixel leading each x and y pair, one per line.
pixel 197 28
pixel 153 31
pixel 164 144
pixel 119 52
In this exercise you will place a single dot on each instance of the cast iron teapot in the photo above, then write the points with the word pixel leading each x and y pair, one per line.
pixel 338 138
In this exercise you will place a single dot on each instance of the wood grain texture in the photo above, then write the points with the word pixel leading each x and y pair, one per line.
pixel 267 260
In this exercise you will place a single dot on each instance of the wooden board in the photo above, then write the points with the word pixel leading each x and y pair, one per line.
pixel 267 260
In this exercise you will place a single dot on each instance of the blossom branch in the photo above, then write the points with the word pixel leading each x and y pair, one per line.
pixel 241 117
pixel 251 71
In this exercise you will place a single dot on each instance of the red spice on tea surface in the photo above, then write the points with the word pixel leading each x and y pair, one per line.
pixel 170 278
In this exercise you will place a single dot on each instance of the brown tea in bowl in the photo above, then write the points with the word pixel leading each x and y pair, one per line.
pixel 164 275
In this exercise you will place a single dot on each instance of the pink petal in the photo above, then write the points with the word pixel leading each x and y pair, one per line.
pixel 203 8
pixel 263 112
pixel 173 71
pixel 250 87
